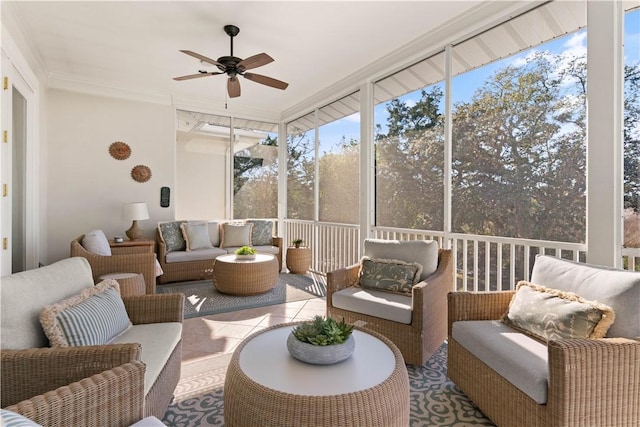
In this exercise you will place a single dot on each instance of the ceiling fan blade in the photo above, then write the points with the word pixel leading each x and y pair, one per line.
pixel 255 61
pixel 233 87
pixel 194 76
pixel 268 81
pixel 202 57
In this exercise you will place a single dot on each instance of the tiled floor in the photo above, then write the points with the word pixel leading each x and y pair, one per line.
pixel 210 336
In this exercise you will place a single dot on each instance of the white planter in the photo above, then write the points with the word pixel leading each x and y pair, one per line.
pixel 319 354
pixel 245 257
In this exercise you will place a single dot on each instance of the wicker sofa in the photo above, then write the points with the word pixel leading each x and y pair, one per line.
pixel 96 385
pixel 570 382
pixel 425 328
pixel 179 263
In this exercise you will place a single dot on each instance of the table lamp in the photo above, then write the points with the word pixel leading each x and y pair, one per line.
pixel 134 212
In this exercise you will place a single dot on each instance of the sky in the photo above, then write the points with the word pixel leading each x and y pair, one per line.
pixel 464 85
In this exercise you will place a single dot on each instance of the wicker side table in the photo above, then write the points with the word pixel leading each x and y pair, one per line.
pixel 298 260
pixel 264 382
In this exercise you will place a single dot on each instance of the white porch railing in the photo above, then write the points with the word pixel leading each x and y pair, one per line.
pixel 483 263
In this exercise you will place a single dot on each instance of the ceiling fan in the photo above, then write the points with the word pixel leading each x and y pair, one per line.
pixel 234 67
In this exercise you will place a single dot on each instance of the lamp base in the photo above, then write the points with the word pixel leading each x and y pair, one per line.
pixel 135 232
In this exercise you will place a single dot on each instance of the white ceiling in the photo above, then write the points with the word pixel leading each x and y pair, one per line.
pixel 133 47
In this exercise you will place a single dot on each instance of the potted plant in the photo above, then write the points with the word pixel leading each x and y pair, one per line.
pixel 321 341
pixel 297 242
pixel 246 252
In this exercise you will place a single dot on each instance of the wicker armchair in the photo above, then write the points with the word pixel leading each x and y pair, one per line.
pixel 428 328
pixel 100 385
pixel 591 382
pixel 136 259
pixel 77 386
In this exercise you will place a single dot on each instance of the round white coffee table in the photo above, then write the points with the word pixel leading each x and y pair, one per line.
pixel 245 276
pixel 265 385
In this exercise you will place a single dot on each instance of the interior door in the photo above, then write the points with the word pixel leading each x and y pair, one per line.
pixel 16 136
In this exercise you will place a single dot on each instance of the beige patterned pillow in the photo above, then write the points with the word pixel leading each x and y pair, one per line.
pixel 547 314
pixel 93 317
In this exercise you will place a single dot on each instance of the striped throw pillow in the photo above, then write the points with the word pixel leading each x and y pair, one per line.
pixel 11 419
pixel 96 316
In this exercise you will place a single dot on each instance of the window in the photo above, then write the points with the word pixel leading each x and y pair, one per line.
pixel 339 160
pixel 519 142
pixel 301 167
pixel 409 147
pixel 632 131
pixel 255 169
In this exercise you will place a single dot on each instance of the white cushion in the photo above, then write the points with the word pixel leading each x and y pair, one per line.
pixel 158 341
pixel 424 252
pixel 96 242
pixel 196 234
pixel 236 235
pixel 618 289
pixel 93 317
pixel 200 255
pixel 23 295
pixel 11 419
pixel 519 359
pixel 385 305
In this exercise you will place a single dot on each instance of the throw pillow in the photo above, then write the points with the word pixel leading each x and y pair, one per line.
pixel 547 314
pixel 388 275
pixel 424 252
pixel 171 235
pixel 262 232
pixel 196 235
pixel 12 419
pixel 235 235
pixel 214 233
pixel 95 316
pixel 96 242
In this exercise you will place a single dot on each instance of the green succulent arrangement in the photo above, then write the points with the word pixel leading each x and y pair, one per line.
pixel 246 250
pixel 297 242
pixel 321 331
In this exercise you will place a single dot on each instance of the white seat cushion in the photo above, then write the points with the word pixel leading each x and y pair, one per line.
pixel 385 305
pixel 158 340
pixel 199 255
pixel 519 359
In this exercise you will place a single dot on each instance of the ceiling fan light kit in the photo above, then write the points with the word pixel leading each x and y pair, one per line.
pixel 233 67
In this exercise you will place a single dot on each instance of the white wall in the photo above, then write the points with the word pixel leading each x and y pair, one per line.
pixel 86 187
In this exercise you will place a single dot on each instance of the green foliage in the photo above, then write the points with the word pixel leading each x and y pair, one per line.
pixel 321 331
pixel 297 242
pixel 246 250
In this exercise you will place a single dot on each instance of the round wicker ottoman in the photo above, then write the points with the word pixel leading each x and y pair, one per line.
pixel 265 385
pixel 243 276
pixel 130 283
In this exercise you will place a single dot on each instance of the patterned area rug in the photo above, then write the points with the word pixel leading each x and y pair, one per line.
pixel 435 400
pixel 202 298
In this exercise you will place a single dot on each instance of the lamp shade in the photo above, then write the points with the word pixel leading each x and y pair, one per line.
pixel 135 211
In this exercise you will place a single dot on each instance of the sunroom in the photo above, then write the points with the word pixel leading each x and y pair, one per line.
pixel 481 143
pixel 475 136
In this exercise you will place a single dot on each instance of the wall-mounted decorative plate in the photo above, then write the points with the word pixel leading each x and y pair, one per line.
pixel 120 150
pixel 141 173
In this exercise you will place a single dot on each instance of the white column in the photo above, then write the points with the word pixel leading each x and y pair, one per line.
pixel 282 179
pixel 367 168
pixel 605 66
pixel 448 147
